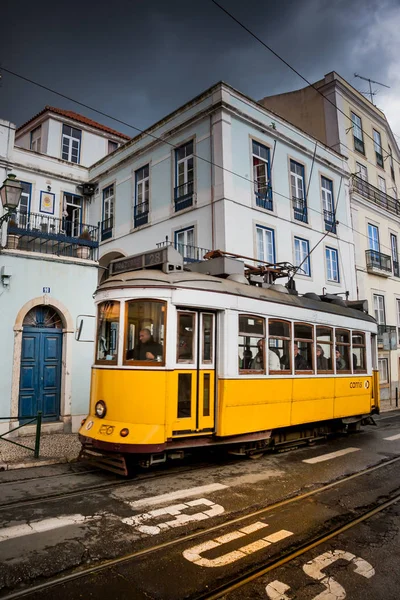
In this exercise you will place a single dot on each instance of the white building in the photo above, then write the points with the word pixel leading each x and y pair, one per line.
pixel 224 173
pixel 48 272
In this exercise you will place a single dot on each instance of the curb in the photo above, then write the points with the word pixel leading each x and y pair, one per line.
pixel 38 462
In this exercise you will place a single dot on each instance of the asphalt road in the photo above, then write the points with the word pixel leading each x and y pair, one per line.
pixel 196 530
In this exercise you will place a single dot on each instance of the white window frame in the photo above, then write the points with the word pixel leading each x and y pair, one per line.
pixel 301 250
pixel 69 140
pixel 383 372
pixel 142 190
pixel 357 127
pixel 332 257
pixel 108 204
pixel 373 241
pixel 262 169
pixel 184 241
pixel 115 144
pixel 382 184
pixel 182 165
pixel 377 141
pixel 265 241
pixel 361 171
pixel 398 320
pixel 36 139
pixel 394 247
pixel 379 309
pixel 327 195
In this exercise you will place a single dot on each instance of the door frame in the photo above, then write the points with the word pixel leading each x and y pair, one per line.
pixel 196 367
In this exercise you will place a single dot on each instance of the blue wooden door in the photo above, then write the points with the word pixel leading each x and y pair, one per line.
pixel 40 378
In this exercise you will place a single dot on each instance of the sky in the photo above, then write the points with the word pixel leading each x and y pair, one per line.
pixel 138 60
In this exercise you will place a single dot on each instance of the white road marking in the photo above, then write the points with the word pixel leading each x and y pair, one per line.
pixel 178 495
pixel 175 511
pixel 393 437
pixel 194 553
pixel 9 533
pixel 323 457
pixel 333 590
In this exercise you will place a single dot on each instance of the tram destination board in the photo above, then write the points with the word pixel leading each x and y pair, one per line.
pixel 138 261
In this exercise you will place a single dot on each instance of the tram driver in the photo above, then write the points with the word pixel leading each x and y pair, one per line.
pixel 147 348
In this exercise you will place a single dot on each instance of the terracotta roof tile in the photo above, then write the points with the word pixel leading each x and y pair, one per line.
pixel 76 117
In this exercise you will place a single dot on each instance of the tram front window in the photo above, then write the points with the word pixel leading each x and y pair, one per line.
pixel 107 332
pixel 145 331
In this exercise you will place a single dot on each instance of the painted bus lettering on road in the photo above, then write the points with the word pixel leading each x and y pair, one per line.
pixel 194 554
pixel 314 569
pixel 176 511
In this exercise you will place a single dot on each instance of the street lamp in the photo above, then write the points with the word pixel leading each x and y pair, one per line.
pixel 10 193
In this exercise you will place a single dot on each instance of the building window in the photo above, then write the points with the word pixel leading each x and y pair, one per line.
pixel 373 237
pixel 36 139
pixel 184 176
pixel 378 148
pixel 391 164
pixel 382 184
pixel 265 244
pixel 357 134
pixel 395 254
pixel 112 146
pixel 332 265
pixel 262 176
pixel 184 243
pixel 142 182
pixel 379 309
pixel 302 256
pixel 71 143
pixel 383 370
pixel 108 212
pixel 20 216
pixel 298 188
pixel 72 215
pixel 328 204
pixel 361 171
pixel 398 320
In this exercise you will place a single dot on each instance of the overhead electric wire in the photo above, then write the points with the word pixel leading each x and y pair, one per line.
pixel 164 141
pixel 292 68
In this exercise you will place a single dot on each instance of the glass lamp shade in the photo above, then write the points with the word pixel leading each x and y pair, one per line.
pixel 10 193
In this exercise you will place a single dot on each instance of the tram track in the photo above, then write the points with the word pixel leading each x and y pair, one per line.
pixel 248 576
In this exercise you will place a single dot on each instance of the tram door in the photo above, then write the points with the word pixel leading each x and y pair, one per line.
pixel 195 373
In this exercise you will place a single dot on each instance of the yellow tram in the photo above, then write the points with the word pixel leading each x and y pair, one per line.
pixel 201 357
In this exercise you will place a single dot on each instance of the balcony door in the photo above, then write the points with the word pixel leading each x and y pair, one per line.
pixel 72 215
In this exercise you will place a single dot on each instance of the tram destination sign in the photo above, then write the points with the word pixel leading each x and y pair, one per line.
pixel 145 260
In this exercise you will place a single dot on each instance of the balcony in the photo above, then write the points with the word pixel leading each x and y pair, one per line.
pixel 330 221
pixel 378 263
pixel 141 214
pixel 183 196
pixel 387 337
pixel 190 253
pixel 264 199
pixel 107 229
pixel 300 209
pixel 34 232
pixel 374 194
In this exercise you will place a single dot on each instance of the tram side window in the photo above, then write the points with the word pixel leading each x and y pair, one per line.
pixel 280 346
pixel 358 354
pixel 107 331
pixel 342 350
pixel 303 347
pixel 185 341
pixel 251 343
pixel 324 350
pixel 145 331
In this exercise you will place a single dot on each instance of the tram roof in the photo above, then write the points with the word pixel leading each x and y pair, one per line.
pixel 195 281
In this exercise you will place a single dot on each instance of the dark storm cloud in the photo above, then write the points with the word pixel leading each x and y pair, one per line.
pixel 139 60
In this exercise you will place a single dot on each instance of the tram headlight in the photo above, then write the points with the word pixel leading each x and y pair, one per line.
pixel 100 409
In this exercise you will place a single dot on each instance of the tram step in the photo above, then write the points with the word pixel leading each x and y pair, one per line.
pixel 110 462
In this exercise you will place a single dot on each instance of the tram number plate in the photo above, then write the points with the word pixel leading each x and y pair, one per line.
pixel 106 429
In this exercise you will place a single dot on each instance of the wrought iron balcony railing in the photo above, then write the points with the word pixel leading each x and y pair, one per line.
pixel 183 195
pixel 36 232
pixel 376 196
pixel 300 209
pixel 378 262
pixel 190 253
pixel 141 214
pixel 107 228
pixel 264 198
pixel 330 221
